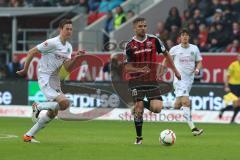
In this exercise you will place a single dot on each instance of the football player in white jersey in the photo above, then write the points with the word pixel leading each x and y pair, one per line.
pixel 188 61
pixel 55 53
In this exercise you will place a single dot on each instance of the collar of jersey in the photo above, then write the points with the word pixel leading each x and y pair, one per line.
pixel 184 47
pixel 61 41
pixel 139 40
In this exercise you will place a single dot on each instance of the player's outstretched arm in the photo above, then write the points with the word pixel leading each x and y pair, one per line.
pixel 169 61
pixel 31 53
pixel 71 63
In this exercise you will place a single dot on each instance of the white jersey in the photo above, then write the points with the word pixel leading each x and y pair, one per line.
pixel 54 53
pixel 185 59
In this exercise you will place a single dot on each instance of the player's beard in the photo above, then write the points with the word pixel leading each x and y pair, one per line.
pixel 142 35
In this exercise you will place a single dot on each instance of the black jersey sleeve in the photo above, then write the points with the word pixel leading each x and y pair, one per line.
pixel 160 46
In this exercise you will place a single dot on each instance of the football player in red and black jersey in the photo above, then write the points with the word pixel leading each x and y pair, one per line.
pixel 141 52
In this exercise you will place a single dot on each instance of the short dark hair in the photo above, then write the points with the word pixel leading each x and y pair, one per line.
pixel 63 22
pixel 185 30
pixel 139 19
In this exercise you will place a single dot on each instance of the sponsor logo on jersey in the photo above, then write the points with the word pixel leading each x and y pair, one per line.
pixel 143 50
pixel 149 44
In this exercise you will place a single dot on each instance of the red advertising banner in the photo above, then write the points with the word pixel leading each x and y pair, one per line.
pixel 214 67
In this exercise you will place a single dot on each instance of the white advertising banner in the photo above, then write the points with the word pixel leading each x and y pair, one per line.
pixel 125 114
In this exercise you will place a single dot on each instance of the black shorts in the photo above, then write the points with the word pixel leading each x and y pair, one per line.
pixel 149 92
pixel 149 89
pixel 235 89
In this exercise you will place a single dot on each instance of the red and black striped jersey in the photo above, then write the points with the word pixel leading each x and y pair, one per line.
pixel 144 53
pixel 145 50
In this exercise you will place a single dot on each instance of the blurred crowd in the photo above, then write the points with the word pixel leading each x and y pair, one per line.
pixel 94 8
pixel 214 25
pixel 39 3
pixel 114 21
pixel 8 71
pixel 91 5
pixel 99 8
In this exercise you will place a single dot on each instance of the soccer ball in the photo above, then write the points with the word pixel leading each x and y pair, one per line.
pixel 167 137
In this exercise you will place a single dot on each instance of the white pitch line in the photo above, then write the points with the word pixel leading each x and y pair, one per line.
pixel 5 136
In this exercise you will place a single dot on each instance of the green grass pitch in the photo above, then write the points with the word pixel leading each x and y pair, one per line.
pixel 113 140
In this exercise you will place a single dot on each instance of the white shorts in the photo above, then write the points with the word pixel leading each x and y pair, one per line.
pixel 50 86
pixel 182 88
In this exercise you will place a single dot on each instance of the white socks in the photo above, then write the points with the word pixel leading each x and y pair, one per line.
pixel 48 106
pixel 43 120
pixel 187 116
pixel 41 123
